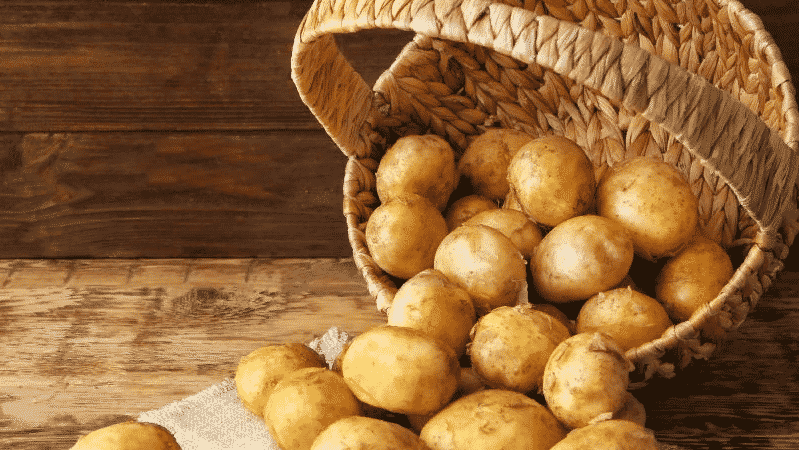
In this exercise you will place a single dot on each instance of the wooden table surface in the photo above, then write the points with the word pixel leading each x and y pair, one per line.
pixel 167 204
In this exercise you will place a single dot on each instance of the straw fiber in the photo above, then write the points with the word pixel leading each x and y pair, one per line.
pixel 699 84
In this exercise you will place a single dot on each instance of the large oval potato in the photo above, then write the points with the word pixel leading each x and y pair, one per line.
pixel 358 432
pixel 430 302
pixel 422 165
pixel 128 436
pixel 401 370
pixel 485 263
pixel 259 371
pixel 493 419
pixel 402 235
pixel 486 159
pixel 552 179
pixel 304 403
pixel 653 202
pixel 580 257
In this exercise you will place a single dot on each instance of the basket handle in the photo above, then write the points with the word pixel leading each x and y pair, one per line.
pixel 714 126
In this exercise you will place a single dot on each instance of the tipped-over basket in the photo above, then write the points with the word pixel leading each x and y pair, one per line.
pixel 697 83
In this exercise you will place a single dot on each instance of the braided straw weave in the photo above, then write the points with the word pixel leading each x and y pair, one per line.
pixel 697 83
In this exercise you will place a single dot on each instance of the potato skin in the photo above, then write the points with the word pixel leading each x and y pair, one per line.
pixel 486 159
pixel 580 257
pixel 586 379
pixel 552 179
pixel 630 317
pixel 511 345
pixel 402 235
pixel 493 419
pixel 366 433
pixel 400 369
pixel 523 232
pixel 259 371
pixel 611 435
pixel 304 403
pixel 130 435
pixel 653 202
pixel 465 208
pixel 431 303
pixel 485 263
pixel 422 165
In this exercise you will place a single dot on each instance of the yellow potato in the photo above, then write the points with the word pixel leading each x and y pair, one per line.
pixel 359 432
pixel 653 202
pixel 485 263
pixel 401 370
pixel 586 379
pixel 422 165
pixel 469 383
pixel 580 257
pixel 304 403
pixel 629 317
pixel 511 345
pixel 556 313
pixel 465 208
pixel 259 371
pixel 633 410
pixel 128 436
pixel 609 434
pixel 493 419
pixel 486 159
pixel 431 303
pixel 523 232
pixel 402 235
pixel 552 179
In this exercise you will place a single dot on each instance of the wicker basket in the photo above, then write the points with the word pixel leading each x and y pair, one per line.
pixel 697 83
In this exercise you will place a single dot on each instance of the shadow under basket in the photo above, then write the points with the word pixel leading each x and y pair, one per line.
pixel 698 84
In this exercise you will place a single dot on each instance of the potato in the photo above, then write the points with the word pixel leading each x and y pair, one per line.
pixel 552 179
pixel 485 263
pixel 431 303
pixel 259 371
pixel 304 403
pixel 469 383
pixel 128 436
pixel 465 208
pixel 359 432
pixel 633 410
pixel 556 313
pixel 423 165
pixel 629 317
pixel 401 370
pixel 580 257
pixel 493 419
pixel 402 235
pixel 693 277
pixel 511 345
pixel 609 434
pixel 653 202
pixel 486 159
pixel 586 379
pixel 524 233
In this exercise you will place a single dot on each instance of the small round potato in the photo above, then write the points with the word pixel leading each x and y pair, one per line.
pixel 128 436
pixel 523 232
pixel 653 201
pixel 431 303
pixel 552 179
pixel 465 208
pixel 486 159
pixel 511 345
pixel 485 263
pixel 609 434
pixel 304 403
pixel 423 165
pixel 259 371
pixel 586 379
pixel 493 419
pixel 629 317
pixel 580 257
pixel 402 235
pixel 358 432
pixel 400 369
pixel 693 277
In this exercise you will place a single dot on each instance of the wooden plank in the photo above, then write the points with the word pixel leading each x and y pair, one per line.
pixel 132 195
pixel 81 352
